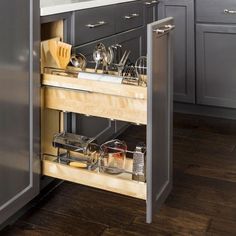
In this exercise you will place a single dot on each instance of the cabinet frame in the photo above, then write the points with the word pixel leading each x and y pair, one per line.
pixel 188 34
pixel 30 182
pixel 202 89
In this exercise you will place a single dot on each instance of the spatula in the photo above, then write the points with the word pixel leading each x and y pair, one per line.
pixel 63 54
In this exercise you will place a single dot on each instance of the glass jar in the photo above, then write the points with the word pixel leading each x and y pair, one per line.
pixel 113 156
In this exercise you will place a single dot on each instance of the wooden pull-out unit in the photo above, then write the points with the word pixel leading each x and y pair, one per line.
pixel 151 106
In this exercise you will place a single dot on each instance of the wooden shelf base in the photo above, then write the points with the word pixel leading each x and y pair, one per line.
pixel 122 183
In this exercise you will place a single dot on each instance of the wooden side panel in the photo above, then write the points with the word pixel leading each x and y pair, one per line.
pixel 51 123
pixel 52 30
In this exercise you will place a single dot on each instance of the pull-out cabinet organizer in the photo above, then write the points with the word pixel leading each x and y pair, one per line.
pixel 150 106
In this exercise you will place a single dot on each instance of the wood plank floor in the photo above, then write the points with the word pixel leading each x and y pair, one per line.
pixel 203 200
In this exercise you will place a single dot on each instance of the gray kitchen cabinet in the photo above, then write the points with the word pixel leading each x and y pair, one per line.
pixel 150 15
pixel 92 24
pixel 216 65
pixel 19 105
pixel 128 16
pixel 150 11
pixel 184 46
pixel 216 11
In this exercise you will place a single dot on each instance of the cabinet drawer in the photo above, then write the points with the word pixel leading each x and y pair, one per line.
pixel 129 16
pixel 122 184
pixel 216 11
pixel 117 101
pixel 93 24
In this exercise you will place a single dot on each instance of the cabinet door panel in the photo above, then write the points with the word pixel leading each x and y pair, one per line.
pixel 214 11
pixel 184 50
pixel 19 105
pixel 216 65
pixel 101 21
pixel 128 16
pixel 159 117
pixel 151 11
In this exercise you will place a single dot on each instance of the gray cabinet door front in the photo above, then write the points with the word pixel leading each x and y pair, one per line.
pixel 150 11
pixel 184 46
pixel 19 105
pixel 159 117
pixel 216 65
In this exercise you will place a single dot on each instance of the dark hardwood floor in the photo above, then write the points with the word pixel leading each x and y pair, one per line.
pixel 203 200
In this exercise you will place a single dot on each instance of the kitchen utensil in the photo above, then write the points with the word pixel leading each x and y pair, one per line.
pixel 78 164
pixel 110 55
pixel 79 61
pixel 108 59
pixel 99 54
pixel 47 59
pixel 122 62
pixel 72 142
pixel 64 54
pixel 139 163
pixel 141 69
pixel 129 72
pixel 113 156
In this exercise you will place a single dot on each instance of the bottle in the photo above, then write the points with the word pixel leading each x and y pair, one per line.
pixel 139 163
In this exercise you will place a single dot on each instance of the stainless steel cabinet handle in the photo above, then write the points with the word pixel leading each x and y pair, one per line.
pixel 152 2
pixel 116 46
pixel 226 11
pixel 164 29
pixel 131 16
pixel 100 23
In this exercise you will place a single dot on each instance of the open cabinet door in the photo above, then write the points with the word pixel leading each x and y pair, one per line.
pixel 159 120
pixel 19 105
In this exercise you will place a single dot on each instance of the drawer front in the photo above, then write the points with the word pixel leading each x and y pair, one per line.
pixel 122 184
pixel 129 16
pixel 216 11
pixel 93 24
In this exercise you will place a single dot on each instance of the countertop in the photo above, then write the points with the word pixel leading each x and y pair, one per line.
pixel 51 7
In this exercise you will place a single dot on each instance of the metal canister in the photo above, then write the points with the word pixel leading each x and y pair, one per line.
pixel 139 163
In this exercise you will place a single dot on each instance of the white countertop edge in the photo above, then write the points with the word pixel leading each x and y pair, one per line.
pixel 62 8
